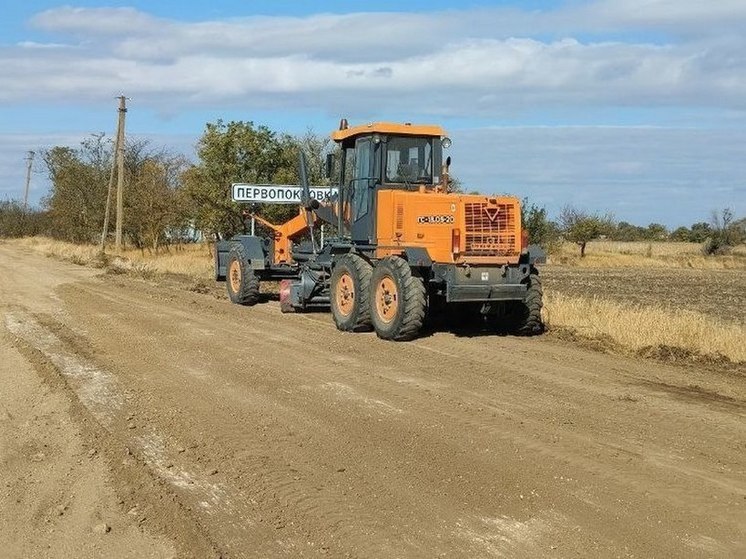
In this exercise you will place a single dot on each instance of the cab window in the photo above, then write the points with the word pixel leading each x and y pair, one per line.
pixel 409 160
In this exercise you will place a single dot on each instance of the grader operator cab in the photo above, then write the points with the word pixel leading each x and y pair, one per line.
pixel 405 248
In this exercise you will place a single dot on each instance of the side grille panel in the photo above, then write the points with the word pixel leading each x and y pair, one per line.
pixel 491 230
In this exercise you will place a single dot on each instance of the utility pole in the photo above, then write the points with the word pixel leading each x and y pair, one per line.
pixel 114 159
pixel 29 163
pixel 120 171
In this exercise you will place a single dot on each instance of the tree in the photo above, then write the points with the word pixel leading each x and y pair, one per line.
pixel 15 222
pixel 242 152
pixel 580 227
pixel 656 232
pixel 153 199
pixel 627 232
pixel 726 233
pixel 740 229
pixel 78 195
pixel 541 230
pixel 700 232
pixel 681 234
pixel 155 204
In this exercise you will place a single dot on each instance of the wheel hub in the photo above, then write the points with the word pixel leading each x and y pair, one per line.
pixel 235 276
pixel 387 299
pixel 345 295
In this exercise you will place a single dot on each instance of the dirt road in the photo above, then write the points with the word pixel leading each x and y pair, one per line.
pixel 193 428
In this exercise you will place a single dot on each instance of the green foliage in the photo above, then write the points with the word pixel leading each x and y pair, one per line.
pixel 726 233
pixel 155 208
pixel 656 232
pixel 680 234
pixel 624 231
pixel 154 205
pixel 79 178
pixel 580 227
pixel 627 232
pixel 700 232
pixel 242 152
pixel 14 222
pixel 541 230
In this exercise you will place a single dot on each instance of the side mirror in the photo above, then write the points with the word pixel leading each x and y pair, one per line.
pixel 448 161
pixel 329 165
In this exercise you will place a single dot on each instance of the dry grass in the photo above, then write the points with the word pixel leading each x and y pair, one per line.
pixel 616 254
pixel 190 260
pixel 646 330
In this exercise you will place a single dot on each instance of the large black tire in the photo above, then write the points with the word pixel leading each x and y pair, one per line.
pixel 350 292
pixel 525 318
pixel 398 300
pixel 241 280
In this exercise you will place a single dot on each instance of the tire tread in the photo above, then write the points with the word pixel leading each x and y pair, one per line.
pixel 248 293
pixel 363 270
pixel 413 297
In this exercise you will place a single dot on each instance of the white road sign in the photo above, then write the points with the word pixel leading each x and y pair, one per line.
pixel 278 193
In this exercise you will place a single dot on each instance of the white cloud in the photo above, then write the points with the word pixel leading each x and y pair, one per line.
pixel 95 21
pixel 449 63
pixel 684 56
pixel 681 14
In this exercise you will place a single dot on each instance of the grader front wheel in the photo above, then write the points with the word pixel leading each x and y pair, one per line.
pixel 241 282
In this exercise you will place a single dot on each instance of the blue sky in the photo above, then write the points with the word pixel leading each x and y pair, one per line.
pixel 637 107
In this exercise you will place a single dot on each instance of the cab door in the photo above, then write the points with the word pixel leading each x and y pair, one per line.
pixel 362 188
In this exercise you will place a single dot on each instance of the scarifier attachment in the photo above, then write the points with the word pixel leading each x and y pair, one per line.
pixel 309 204
pixel 285 302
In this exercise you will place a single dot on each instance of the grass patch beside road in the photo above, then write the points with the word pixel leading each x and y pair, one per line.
pixel 194 260
pixel 647 330
pixel 617 254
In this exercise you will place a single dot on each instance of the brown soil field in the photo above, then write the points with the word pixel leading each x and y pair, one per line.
pixel 148 417
pixel 717 293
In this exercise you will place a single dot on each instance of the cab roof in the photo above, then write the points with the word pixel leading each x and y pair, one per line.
pixel 394 128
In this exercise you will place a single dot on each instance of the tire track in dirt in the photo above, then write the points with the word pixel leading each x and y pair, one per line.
pixel 323 442
pixel 359 515
pixel 100 394
pixel 375 390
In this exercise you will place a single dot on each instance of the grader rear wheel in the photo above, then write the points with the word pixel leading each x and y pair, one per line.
pixel 386 299
pixel 524 318
pixel 399 300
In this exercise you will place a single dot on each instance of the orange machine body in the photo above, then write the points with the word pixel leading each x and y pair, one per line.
pixel 452 228
pixel 284 234
pixel 401 246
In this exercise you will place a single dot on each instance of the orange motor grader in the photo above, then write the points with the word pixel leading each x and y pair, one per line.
pixel 405 249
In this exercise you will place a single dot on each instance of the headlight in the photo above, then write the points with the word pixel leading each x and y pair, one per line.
pixel 445 142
